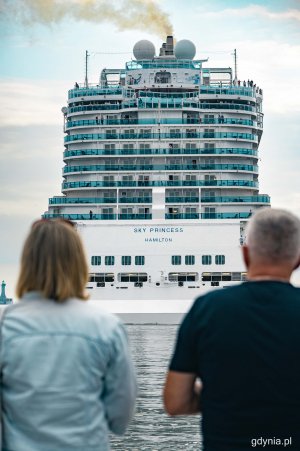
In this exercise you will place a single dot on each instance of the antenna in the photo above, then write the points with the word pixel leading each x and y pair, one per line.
pixel 235 65
pixel 86 83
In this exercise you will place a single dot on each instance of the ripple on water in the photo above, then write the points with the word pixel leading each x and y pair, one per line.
pixel 151 429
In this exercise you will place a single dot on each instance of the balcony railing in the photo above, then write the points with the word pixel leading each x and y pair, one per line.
pixel 237 199
pixel 96 216
pixel 83 216
pixel 176 200
pixel 135 200
pixel 182 215
pixel 240 215
pixel 161 167
pixel 158 136
pixel 162 121
pixel 95 91
pixel 82 200
pixel 154 104
pixel 135 216
pixel 148 183
pixel 168 151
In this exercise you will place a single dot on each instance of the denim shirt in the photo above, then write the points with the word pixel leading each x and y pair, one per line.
pixel 67 376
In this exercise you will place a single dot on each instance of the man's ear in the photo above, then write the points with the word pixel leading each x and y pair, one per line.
pixel 245 251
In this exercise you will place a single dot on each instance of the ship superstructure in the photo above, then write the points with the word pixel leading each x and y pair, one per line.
pixel 161 176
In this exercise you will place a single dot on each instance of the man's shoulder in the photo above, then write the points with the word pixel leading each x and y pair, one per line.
pixel 220 295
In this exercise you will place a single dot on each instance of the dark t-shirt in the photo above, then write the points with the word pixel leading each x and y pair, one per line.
pixel 244 344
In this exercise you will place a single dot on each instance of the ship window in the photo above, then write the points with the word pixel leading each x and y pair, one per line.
pixel 220 259
pixel 208 133
pixel 176 259
pixel 183 276
pixel 133 277
pixel 111 134
pixel 162 77
pixel 190 177
pixel 96 260
pixel 109 260
pixel 109 146
pixel 108 178
pixel 209 118
pixel 145 132
pixel 126 260
pixel 216 277
pixel 191 133
pixel 209 146
pixel 102 277
pixel 226 276
pixel 129 132
pixel 190 259
pixel 206 259
pixel 144 178
pixel 107 211
pixel 191 146
pixel 206 277
pixel 139 260
pixel 190 210
pixel 175 133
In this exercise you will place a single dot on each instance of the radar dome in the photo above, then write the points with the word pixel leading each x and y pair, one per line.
pixel 185 49
pixel 144 50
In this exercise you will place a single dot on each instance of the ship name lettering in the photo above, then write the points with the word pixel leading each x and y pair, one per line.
pixel 158 240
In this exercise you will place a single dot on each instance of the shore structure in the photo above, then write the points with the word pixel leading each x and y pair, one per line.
pixel 3 298
pixel 161 176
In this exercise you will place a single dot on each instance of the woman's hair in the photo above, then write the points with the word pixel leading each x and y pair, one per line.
pixel 53 261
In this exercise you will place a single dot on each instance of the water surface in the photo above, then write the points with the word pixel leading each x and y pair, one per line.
pixel 151 429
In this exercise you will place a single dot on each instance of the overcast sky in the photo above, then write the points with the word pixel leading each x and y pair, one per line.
pixel 40 62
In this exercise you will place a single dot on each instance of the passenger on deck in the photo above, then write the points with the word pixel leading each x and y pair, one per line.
pixel 237 354
pixel 67 378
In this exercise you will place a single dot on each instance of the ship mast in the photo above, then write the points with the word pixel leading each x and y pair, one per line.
pixel 86 83
pixel 235 65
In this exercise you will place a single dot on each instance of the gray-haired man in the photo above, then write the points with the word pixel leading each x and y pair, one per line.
pixel 243 343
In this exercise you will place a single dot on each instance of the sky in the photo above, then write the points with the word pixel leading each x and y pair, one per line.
pixel 42 55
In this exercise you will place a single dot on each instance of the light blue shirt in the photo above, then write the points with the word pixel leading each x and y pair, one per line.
pixel 67 376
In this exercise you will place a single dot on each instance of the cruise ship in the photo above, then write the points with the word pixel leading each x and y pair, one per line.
pixel 161 177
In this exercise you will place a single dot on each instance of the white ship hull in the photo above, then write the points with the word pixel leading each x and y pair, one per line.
pixel 159 299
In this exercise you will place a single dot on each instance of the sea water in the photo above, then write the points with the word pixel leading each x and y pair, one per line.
pixel 151 429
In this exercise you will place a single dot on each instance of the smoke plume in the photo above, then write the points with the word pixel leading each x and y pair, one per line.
pixel 143 15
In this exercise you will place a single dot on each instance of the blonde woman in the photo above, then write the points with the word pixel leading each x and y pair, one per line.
pixel 67 376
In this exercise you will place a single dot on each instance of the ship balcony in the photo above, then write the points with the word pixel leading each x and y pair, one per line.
pixel 88 185
pixel 135 200
pixel 159 136
pixel 96 216
pixel 93 91
pixel 81 200
pixel 262 199
pixel 127 216
pixel 153 104
pixel 81 216
pixel 162 121
pixel 234 215
pixel 182 215
pixel 242 91
pixel 182 199
pixel 163 151
pixel 161 167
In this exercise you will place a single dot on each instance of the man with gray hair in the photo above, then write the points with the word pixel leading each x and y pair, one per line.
pixel 237 356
